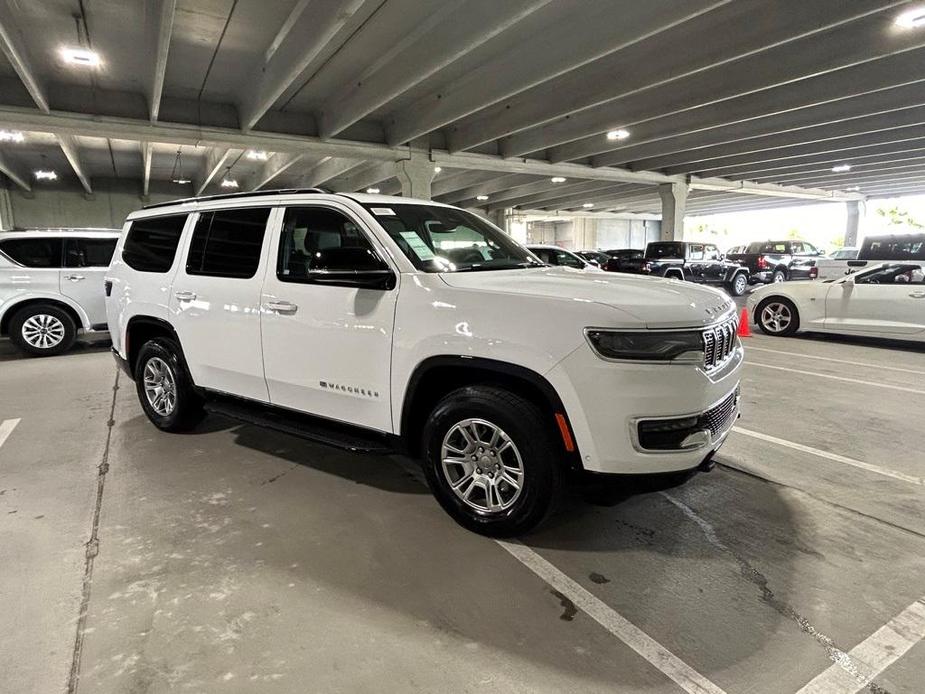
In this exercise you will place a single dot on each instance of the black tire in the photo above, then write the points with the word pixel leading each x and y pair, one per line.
pixel 778 276
pixel 187 410
pixel 768 328
pixel 531 433
pixel 739 284
pixel 58 325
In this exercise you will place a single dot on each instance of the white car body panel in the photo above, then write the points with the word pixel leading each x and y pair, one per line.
pixel 81 289
pixel 372 341
pixel 845 307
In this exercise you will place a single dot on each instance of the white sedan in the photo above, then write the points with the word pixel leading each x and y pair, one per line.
pixel 885 300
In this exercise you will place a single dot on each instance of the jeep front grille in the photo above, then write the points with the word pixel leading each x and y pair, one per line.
pixel 718 344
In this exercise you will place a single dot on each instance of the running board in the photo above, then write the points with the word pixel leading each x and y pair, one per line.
pixel 345 437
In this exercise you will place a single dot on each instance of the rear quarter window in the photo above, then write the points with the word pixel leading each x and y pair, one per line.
pixel 151 243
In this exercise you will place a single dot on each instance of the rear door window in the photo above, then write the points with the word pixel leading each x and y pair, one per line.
pixel 36 252
pixel 88 252
pixel 227 243
pixel 152 243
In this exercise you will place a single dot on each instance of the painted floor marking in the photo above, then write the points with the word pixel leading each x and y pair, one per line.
pixel 874 654
pixel 6 428
pixel 832 456
pixel 667 662
pixel 837 361
pixel 837 378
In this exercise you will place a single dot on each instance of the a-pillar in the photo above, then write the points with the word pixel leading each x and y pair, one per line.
pixel 851 228
pixel 6 210
pixel 416 173
pixel 674 202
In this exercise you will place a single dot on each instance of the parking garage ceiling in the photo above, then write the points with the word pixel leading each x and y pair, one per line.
pixel 757 103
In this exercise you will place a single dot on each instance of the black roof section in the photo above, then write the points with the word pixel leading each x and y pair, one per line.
pixel 242 194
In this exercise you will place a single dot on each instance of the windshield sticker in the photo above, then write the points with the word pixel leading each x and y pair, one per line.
pixel 421 249
pixel 383 211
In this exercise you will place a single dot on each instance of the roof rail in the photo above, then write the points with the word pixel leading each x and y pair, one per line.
pixel 241 194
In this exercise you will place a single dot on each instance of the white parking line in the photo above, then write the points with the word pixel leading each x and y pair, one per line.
pixel 667 662
pixel 750 348
pixel 831 456
pixel 874 654
pixel 837 378
pixel 6 428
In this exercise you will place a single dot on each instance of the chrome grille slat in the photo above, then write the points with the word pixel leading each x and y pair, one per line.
pixel 718 344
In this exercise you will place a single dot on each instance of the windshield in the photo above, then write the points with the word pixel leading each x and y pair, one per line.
pixel 445 239
pixel 665 250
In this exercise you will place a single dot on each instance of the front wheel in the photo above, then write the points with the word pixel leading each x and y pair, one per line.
pixel 738 285
pixel 777 316
pixel 491 461
pixel 165 390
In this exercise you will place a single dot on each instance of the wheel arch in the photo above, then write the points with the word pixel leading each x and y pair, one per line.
pixel 68 307
pixel 438 375
pixel 141 328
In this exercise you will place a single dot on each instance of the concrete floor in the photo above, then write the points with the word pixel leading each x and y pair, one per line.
pixel 235 559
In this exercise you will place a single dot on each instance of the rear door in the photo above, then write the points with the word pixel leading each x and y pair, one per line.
pixel 888 300
pixel 85 263
pixel 714 271
pixel 215 300
pixel 695 262
pixel 327 347
pixel 35 263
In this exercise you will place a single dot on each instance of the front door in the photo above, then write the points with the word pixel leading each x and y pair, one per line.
pixel 215 300
pixel 327 348
pixel 888 300
pixel 85 263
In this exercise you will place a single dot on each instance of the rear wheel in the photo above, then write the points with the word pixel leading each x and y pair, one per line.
pixel 777 316
pixel 165 390
pixel 779 276
pixel 491 461
pixel 43 330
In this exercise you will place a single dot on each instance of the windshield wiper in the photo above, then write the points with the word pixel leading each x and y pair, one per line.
pixel 509 266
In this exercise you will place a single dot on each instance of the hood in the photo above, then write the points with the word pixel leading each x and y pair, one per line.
pixel 656 302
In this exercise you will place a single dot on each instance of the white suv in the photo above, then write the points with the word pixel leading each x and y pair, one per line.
pixel 375 322
pixel 51 286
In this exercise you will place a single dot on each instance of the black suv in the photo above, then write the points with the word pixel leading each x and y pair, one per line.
pixel 694 262
pixel 777 261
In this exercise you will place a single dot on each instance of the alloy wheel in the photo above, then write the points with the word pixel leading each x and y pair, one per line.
pixel 160 386
pixel 741 284
pixel 482 465
pixel 43 331
pixel 776 317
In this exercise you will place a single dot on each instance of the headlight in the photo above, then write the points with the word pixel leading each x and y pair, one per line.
pixel 647 346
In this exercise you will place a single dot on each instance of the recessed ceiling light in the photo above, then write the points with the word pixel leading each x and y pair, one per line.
pixel 181 181
pixel 11 136
pixel 481 197
pixel 841 168
pixel 229 183
pixel 853 189
pixel 912 18
pixel 588 204
pixel 372 191
pixel 437 169
pixel 256 155
pixel 618 134
pixel 46 175
pixel 558 179
pixel 80 56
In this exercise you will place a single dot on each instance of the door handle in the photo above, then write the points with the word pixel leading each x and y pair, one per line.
pixel 185 296
pixel 282 306
pixel 917 294
pixel 74 278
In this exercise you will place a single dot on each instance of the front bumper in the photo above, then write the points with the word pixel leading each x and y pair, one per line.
pixel 606 401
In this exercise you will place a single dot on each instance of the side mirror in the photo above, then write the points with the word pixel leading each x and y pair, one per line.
pixel 350 267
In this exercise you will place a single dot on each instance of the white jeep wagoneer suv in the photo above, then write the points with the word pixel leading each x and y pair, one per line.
pixel 51 286
pixel 369 321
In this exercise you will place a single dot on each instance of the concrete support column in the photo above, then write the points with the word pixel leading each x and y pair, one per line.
pixel 6 210
pixel 674 202
pixel 501 219
pixel 416 173
pixel 854 217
